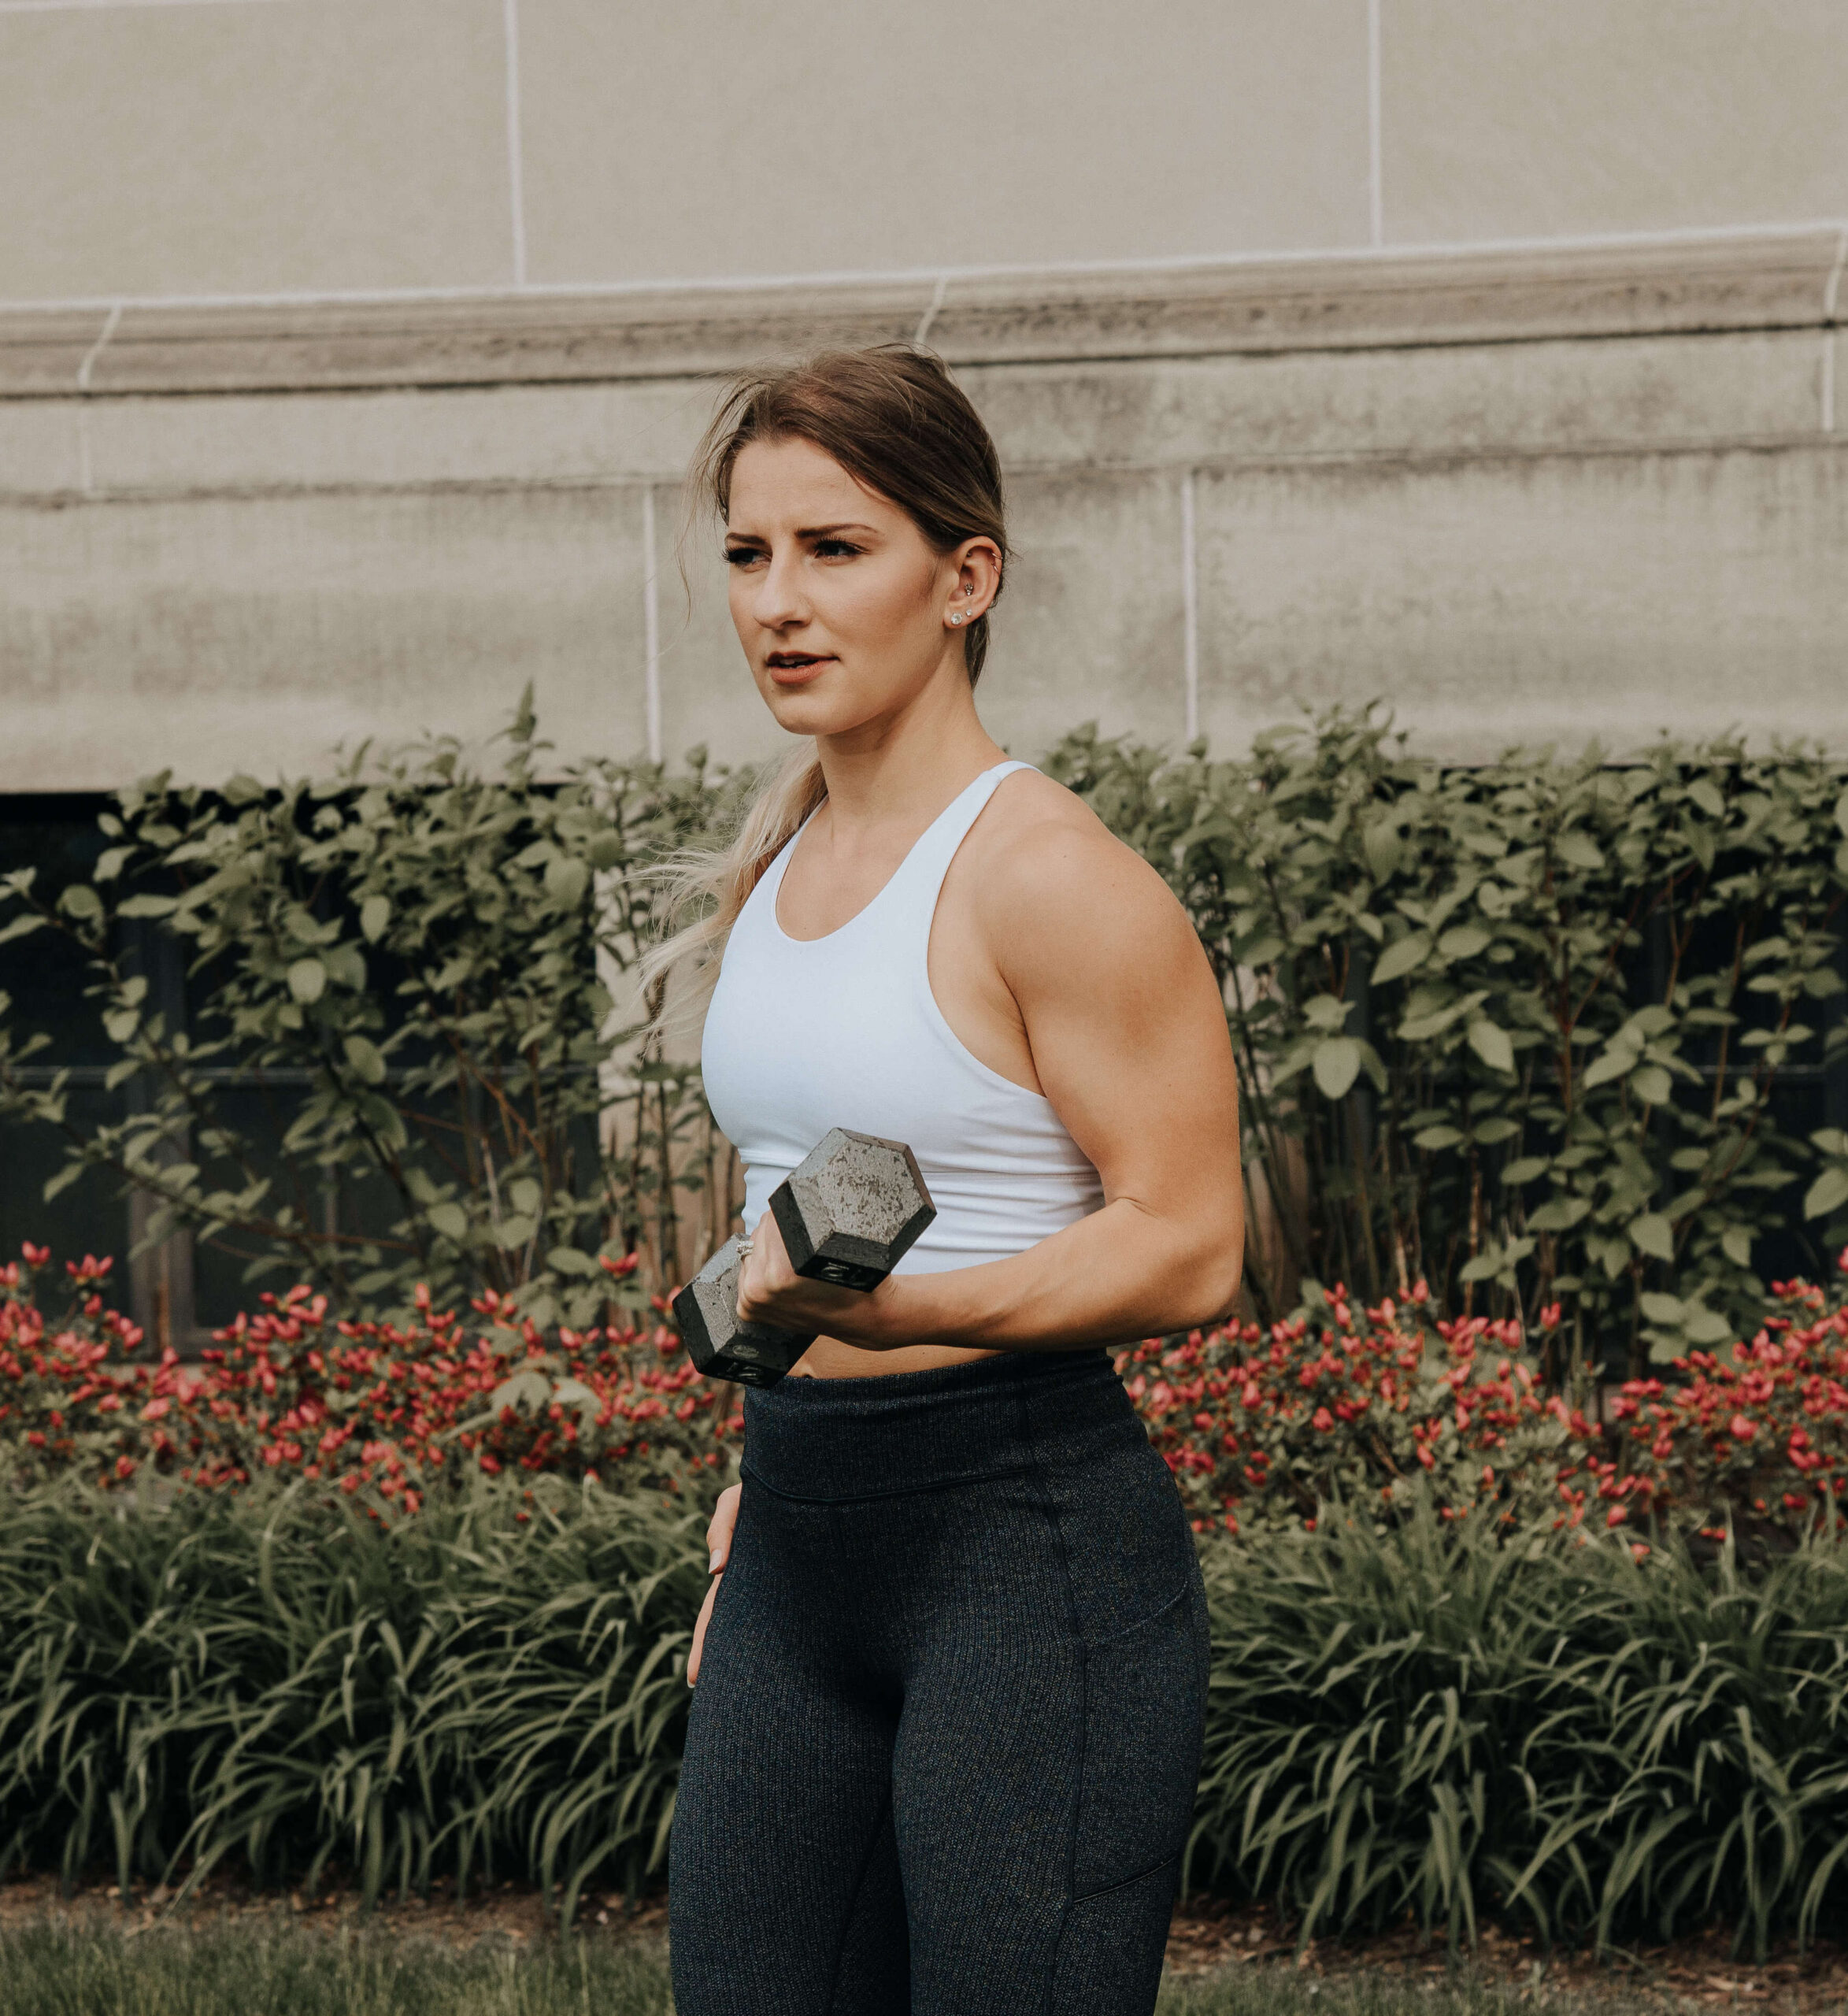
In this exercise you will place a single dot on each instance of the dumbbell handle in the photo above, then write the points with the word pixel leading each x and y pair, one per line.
pixel 807 1207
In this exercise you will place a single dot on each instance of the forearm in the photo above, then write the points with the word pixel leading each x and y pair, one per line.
pixel 1119 1273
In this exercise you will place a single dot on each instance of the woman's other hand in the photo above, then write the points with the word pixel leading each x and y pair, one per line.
pixel 718 1538
pixel 771 1292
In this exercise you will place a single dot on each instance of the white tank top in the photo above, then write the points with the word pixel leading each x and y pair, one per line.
pixel 806 1034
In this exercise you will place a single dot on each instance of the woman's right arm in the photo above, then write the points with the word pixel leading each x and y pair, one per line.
pixel 718 1538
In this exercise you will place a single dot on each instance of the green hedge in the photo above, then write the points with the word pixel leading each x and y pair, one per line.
pixel 1547 1732
pixel 1544 1031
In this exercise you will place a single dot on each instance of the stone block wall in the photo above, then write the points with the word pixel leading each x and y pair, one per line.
pixel 1480 358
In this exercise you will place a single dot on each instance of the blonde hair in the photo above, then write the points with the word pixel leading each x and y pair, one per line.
pixel 892 416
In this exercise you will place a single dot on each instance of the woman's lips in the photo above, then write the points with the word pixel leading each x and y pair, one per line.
pixel 795 668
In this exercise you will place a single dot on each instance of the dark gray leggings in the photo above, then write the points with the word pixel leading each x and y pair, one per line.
pixel 942 1754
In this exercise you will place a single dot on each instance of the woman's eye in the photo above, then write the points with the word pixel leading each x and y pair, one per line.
pixel 834 549
pixel 741 556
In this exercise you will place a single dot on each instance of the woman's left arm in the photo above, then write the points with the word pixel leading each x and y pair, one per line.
pixel 1129 1036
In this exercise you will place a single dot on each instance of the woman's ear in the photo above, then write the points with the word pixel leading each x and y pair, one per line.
pixel 978 580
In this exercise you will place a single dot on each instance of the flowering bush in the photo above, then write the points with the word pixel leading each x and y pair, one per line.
pixel 290 1391
pixel 1258 1424
pixel 1764 1429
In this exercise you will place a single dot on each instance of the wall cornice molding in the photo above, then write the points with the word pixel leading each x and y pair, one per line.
pixel 1783 279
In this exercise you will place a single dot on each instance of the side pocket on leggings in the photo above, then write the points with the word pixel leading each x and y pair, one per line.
pixel 1112 1945
pixel 1145 1705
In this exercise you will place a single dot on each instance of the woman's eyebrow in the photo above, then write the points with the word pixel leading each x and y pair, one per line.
pixel 824 532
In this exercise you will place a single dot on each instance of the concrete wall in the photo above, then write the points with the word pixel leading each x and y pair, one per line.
pixel 1481 354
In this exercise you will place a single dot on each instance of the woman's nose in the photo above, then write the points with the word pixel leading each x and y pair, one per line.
pixel 780 600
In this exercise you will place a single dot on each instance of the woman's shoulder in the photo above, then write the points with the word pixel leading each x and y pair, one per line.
pixel 1043 858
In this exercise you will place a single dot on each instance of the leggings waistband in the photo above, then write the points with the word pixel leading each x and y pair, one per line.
pixel 841 1438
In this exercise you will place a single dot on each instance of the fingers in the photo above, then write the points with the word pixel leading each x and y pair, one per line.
pixel 765 1268
pixel 718 1532
pixel 700 1624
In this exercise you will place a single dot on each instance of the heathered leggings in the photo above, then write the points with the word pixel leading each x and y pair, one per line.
pixel 942 1754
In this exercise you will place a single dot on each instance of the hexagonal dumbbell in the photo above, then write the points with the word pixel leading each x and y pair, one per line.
pixel 848 1213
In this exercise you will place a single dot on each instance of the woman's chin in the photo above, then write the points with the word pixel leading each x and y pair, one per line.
pixel 805 711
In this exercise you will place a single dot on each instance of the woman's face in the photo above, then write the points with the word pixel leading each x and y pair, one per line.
pixel 841 605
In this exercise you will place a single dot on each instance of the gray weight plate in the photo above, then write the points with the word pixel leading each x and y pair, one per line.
pixel 852 1208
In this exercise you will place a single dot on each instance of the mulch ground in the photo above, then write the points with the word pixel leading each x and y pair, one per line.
pixel 1207 1936
pixel 1697 1972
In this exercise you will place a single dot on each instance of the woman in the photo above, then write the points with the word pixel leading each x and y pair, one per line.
pixel 951 1681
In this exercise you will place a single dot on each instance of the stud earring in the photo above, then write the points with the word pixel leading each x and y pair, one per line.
pixel 958 616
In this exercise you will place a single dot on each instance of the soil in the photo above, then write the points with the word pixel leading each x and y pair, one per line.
pixel 1698 1973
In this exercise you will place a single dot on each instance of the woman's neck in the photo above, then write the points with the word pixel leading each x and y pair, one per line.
pixel 904 769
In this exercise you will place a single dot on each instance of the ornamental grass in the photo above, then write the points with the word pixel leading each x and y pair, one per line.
pixel 1555 1729
pixel 1443 1721
pixel 493 1689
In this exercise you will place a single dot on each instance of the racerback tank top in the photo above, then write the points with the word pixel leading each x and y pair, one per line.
pixel 806 1034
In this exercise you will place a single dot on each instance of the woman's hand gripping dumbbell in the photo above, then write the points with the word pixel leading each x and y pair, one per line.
pixel 847 1213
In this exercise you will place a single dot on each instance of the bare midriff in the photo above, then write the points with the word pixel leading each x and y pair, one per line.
pixel 828 1357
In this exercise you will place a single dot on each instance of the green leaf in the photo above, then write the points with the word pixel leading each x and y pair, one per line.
pixel 1525 1168
pixel 1735 1242
pixel 364 1061
pixel 110 862
pixel 525 1391
pixel 1612 1254
pixel 1662 1308
pixel 1337 1065
pixel 450 1220
pixel 1652 1233
pixel 1437 1137
pixel 1580 850
pixel 570 1260
pixel 1492 1046
pixel 1616 1063
pixel 375 914
pixel 80 901
pixel 1465 942
pixel 1560 1213
pixel 307 979
pixel 1421 1029
pixel 1384 849
pixel 1403 956
pixel 1829 1189
pixel 1707 795
pixel 1653 1085
pixel 148 906
pixel 566 881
